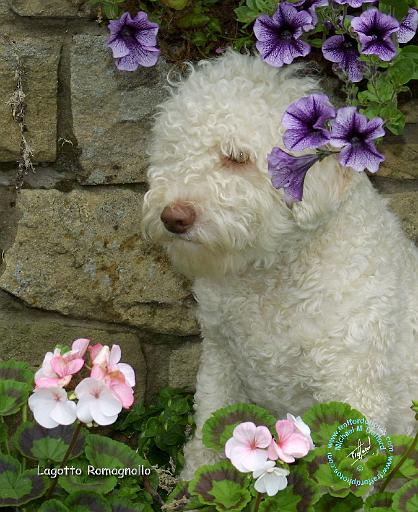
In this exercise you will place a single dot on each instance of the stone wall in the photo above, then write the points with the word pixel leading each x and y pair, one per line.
pixel 73 262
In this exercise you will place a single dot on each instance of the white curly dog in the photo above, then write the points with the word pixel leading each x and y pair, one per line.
pixel 314 302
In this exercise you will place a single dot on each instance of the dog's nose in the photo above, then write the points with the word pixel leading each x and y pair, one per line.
pixel 179 217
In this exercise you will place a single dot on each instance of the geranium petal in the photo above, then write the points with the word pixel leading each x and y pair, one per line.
pixel 98 416
pixel 128 372
pixel 83 410
pixel 262 437
pixel 296 445
pixel 245 432
pixel 64 413
pixel 285 429
pixel 114 355
pixel 124 394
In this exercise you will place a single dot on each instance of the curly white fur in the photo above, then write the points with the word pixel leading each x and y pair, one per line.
pixel 316 302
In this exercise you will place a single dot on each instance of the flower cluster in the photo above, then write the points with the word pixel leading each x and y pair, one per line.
pixel 101 395
pixel 312 123
pixel 253 449
pixel 280 37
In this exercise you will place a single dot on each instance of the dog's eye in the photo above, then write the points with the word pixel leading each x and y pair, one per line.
pixel 238 157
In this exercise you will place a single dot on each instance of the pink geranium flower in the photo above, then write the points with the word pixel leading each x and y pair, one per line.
pixel 119 377
pixel 247 448
pixel 57 369
pixel 96 402
pixel 292 442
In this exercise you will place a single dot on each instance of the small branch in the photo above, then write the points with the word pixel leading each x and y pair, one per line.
pixel 66 457
pixel 257 502
pixel 400 463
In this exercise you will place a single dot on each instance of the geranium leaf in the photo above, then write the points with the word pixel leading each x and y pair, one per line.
pixel 85 482
pixel 17 488
pixel 53 506
pixel 229 495
pixel 409 468
pixel 303 487
pixel 87 502
pixel 17 371
pixel 324 419
pixel 120 505
pixel 286 501
pixel 180 498
pixel 347 504
pixel 39 443
pixel 406 498
pixel 13 395
pixel 219 427
pixel 103 452
pixel 207 480
pixel 379 502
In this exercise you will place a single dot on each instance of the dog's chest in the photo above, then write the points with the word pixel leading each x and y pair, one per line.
pixel 268 335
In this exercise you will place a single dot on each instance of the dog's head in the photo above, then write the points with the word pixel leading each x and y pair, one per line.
pixel 211 202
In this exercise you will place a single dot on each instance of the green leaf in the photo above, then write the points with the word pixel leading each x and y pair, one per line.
pixel 87 502
pixel 406 498
pixel 17 371
pixel 120 505
pixel 395 120
pixel 207 480
pixel 402 71
pixel 53 506
pixel 229 495
pixel 347 504
pixel 17 487
pixel 13 395
pixel 193 21
pixel 103 452
pixel 39 443
pixel 379 502
pixel 283 501
pixel 399 8
pixel 85 482
pixel 178 5
pixel 409 468
pixel 324 419
pixel 219 427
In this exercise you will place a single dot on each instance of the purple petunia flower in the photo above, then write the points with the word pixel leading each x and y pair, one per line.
pixel 278 37
pixel 133 41
pixel 288 172
pixel 408 27
pixel 354 3
pixel 343 51
pixel 310 6
pixel 375 31
pixel 355 134
pixel 305 122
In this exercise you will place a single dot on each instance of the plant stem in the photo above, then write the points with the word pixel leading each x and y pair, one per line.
pixel 400 463
pixel 66 457
pixel 257 502
pixel 25 413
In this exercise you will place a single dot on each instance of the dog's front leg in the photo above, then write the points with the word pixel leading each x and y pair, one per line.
pixel 217 385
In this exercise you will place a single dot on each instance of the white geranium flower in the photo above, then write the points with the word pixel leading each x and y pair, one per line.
pixel 302 427
pixel 51 407
pixel 270 479
pixel 96 402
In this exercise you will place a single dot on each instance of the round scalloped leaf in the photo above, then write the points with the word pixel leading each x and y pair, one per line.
pixel 39 443
pixel 13 395
pixel 85 482
pixel 409 468
pixel 53 506
pixel 306 489
pixel 219 427
pixel 17 487
pixel 347 504
pixel 103 452
pixel 87 502
pixel 405 499
pixel 120 505
pixel 324 419
pixel 379 502
pixel 221 486
pixel 17 371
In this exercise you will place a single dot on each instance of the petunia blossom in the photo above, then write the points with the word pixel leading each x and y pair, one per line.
pixel 343 51
pixel 354 3
pixel 310 6
pixel 133 41
pixel 305 122
pixel 96 402
pixel 247 448
pixel 375 29
pixel 288 172
pixel 278 37
pixel 408 26
pixel 354 133
pixel 270 478
pixel 291 443
pixel 51 407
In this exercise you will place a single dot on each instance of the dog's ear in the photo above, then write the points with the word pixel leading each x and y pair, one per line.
pixel 326 186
